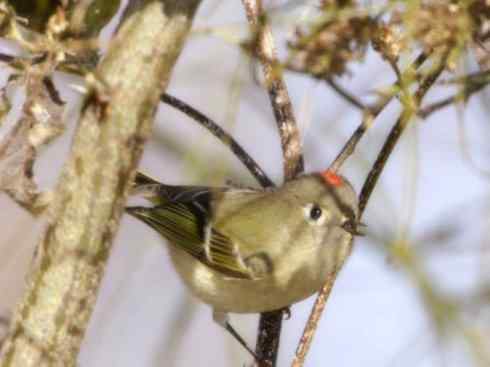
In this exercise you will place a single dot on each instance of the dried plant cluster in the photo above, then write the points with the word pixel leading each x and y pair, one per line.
pixel 56 48
pixel 62 35
pixel 339 35
pixel 342 31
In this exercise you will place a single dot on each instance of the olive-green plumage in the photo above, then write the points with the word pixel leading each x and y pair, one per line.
pixel 245 250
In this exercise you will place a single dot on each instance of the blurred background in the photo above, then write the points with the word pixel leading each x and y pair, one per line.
pixel 413 293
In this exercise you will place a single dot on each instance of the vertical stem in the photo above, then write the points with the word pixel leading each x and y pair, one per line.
pixel 270 322
pixel 312 324
pixel 269 336
pixel 276 87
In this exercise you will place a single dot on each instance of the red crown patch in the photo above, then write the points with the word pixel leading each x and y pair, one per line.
pixel 332 178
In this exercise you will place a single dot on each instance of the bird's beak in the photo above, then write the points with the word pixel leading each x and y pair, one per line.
pixel 354 228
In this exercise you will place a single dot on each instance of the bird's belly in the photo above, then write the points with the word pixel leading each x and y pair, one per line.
pixel 241 295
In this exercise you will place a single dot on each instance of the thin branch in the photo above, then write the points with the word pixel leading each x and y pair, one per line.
pixel 462 96
pixel 270 323
pixel 48 325
pixel 6 58
pixel 222 135
pixel 276 87
pixel 475 78
pixel 349 147
pixel 312 323
pixel 349 97
pixel 439 105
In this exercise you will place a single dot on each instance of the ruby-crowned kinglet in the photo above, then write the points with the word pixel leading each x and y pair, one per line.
pixel 247 251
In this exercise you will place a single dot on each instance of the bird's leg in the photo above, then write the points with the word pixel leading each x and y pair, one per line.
pixel 244 344
pixel 222 319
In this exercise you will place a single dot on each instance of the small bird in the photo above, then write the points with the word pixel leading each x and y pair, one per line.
pixel 244 250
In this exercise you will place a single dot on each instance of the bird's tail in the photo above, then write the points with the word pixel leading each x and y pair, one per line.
pixel 146 215
pixel 139 212
pixel 142 179
pixel 150 189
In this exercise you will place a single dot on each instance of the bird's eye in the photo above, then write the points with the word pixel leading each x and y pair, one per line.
pixel 315 212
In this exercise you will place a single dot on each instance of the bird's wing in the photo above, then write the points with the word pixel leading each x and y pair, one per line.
pixel 182 215
pixel 159 193
pixel 185 225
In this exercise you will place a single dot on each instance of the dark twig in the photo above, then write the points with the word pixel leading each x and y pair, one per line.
pixel 269 336
pixel 395 134
pixel 349 97
pixel 222 135
pixel 436 106
pixel 350 146
pixel 6 58
pixel 479 77
pixel 53 92
pixel 270 322
pixel 461 96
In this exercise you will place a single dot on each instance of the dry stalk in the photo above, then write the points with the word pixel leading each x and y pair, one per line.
pixel 270 323
pixel 41 121
pixel 276 87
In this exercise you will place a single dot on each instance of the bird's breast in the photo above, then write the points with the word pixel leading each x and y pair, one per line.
pixel 274 291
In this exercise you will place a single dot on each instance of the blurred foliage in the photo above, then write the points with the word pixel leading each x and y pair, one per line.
pixel 94 17
pixel 341 31
pixel 87 17
pixel 37 13
pixel 338 35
